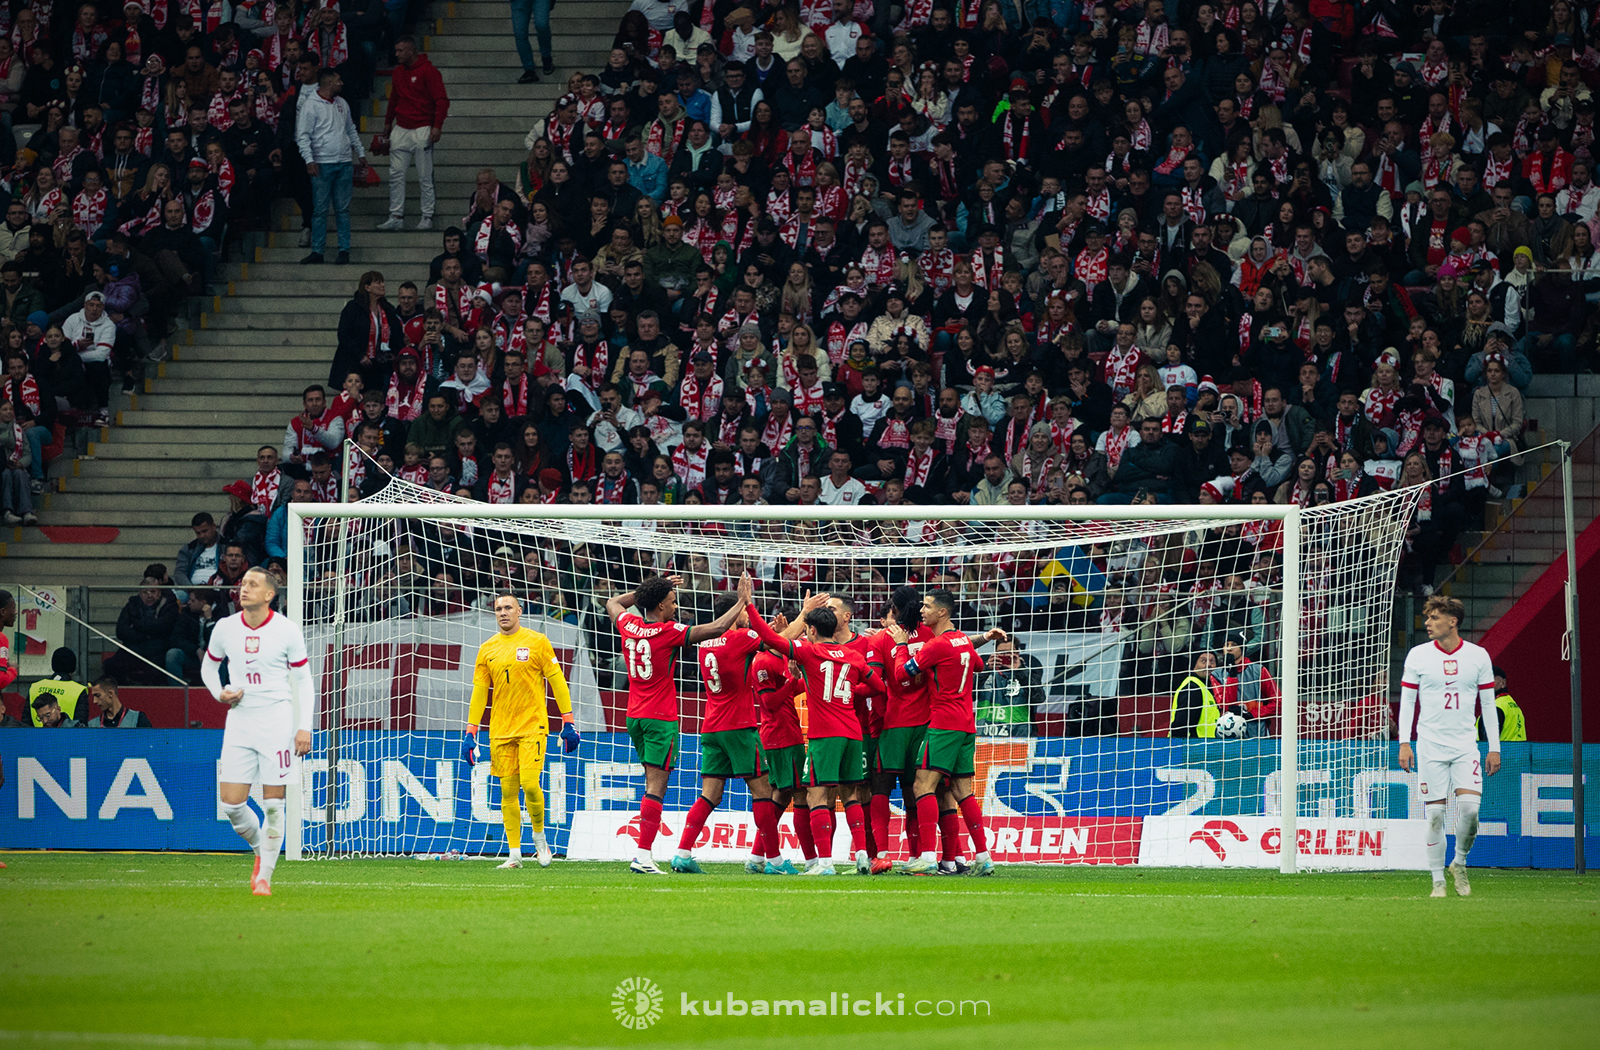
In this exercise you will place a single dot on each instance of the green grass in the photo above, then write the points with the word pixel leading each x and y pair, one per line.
pixel 460 954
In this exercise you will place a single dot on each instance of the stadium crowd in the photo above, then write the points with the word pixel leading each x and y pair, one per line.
pixel 987 252
pixel 137 140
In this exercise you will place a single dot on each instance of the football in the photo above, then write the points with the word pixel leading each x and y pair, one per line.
pixel 1231 726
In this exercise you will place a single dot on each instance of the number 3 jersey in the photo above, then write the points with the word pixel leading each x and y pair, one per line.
pixel 1439 690
pixel 725 669
pixel 650 651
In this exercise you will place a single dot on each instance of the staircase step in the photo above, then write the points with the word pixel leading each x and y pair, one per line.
pixel 241 452
pixel 202 419
pixel 208 434
pixel 285 398
pixel 221 388
pixel 148 479
pixel 231 351
pixel 248 369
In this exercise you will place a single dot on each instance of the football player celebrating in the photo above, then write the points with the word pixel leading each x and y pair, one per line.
pixel 869 712
pixel 1440 683
pixel 516 664
pixel 834 758
pixel 950 744
pixel 271 704
pixel 649 649
pixel 904 724
pixel 730 745
pixel 785 749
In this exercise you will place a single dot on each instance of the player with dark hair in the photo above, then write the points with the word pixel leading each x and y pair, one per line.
pixel 869 712
pixel 903 723
pixel 785 751
pixel 730 745
pixel 948 749
pixel 834 758
pixel 649 649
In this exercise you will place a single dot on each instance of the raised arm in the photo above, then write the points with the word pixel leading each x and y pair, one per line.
pixel 618 607
pixel 771 639
pixel 716 628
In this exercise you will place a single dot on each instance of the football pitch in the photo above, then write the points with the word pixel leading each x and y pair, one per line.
pixel 107 950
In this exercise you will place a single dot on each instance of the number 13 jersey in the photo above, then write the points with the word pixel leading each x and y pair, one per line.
pixel 650 652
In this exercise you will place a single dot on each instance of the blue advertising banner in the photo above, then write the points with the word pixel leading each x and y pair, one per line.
pixel 409 792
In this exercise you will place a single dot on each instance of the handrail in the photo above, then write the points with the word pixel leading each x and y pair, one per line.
pixel 1504 525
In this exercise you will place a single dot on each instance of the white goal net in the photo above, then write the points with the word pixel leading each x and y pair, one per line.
pixel 1159 699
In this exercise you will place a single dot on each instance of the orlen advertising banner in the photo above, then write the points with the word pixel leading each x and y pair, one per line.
pixel 1048 800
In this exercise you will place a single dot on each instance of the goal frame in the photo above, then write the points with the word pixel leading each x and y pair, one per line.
pixel 1289 626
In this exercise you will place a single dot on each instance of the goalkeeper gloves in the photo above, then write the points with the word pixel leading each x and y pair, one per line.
pixel 469 746
pixel 569 737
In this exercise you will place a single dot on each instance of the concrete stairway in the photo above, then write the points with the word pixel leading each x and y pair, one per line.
pixel 237 372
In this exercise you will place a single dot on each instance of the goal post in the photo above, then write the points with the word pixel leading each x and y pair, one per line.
pixel 1104 735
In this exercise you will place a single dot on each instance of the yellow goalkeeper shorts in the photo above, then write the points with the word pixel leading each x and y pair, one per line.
pixel 516 755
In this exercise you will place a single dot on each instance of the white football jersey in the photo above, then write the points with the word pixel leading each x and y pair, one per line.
pixel 1447 687
pixel 259 658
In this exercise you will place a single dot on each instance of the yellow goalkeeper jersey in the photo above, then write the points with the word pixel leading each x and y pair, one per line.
pixel 516 667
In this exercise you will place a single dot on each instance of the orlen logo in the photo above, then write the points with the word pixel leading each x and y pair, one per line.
pixel 1212 832
pixel 631 829
pixel 1344 842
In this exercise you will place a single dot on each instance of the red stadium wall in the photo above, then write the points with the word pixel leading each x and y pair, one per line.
pixel 1526 641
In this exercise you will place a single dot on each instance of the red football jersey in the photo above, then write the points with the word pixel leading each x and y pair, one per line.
pixel 951 665
pixel 869 704
pixel 833 674
pixel 725 669
pixel 775 691
pixel 907 704
pixel 650 651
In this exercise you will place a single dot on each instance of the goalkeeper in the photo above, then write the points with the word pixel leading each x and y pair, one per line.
pixel 516 663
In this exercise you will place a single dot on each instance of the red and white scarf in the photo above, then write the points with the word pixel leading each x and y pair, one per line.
pixel 405 405
pixel 802 173
pixel 1014 140
pixel 28 395
pixel 690 467
pixel 1116 444
pixel 919 465
pixel 501 491
pixel 89 211
pixel 664 136
pixel 481 239
pixel 264 490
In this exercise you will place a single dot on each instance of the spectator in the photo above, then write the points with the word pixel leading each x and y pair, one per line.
pixel 413 123
pixel 191 633
pixel 326 137
pixel 113 713
pixel 16 491
pixel 198 558
pixel 539 12
pixel 93 335
pixel 143 627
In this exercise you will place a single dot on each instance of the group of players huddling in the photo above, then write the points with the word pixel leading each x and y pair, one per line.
pixel 886 708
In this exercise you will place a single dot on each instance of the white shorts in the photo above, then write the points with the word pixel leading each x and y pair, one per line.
pixel 258 746
pixel 1439 776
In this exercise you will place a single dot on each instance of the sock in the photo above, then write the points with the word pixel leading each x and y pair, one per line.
pixel 698 814
pixel 822 832
pixel 533 797
pixel 928 824
pixel 649 824
pixel 538 841
pixel 766 814
pixel 246 823
pixel 880 825
pixel 858 826
pixel 271 835
pixel 802 831
pixel 908 799
pixel 1436 840
pixel 972 815
pixel 1466 825
pixel 869 841
pixel 511 813
pixel 949 834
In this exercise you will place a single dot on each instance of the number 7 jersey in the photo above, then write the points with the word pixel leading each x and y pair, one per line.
pixel 952 665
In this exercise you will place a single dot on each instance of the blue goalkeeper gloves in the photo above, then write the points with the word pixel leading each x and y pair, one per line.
pixel 469 748
pixel 570 738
